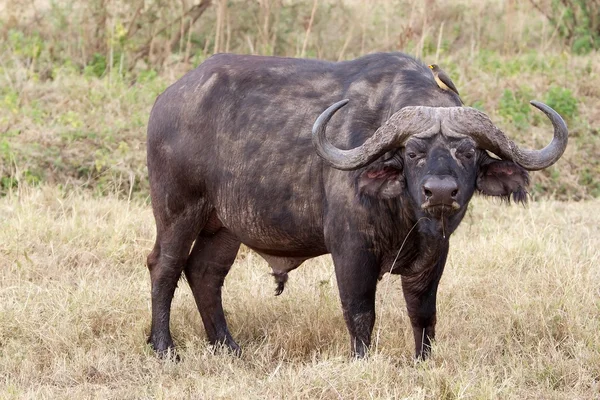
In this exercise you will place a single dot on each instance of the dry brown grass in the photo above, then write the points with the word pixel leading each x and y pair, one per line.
pixel 519 313
pixel 69 116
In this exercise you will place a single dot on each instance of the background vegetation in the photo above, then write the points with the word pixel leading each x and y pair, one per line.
pixel 78 78
pixel 519 304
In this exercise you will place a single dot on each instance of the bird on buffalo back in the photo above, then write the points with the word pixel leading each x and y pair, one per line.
pixel 443 80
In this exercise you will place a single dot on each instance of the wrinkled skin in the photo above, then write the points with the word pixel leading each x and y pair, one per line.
pixel 231 161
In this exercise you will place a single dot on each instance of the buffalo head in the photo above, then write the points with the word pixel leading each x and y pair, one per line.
pixel 439 157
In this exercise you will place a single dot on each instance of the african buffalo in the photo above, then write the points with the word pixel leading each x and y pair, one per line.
pixel 231 160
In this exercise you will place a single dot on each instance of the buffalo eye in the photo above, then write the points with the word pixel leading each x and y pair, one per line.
pixel 415 155
pixel 467 154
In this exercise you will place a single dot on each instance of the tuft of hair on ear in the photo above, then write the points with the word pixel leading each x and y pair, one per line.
pixel 520 196
pixel 503 179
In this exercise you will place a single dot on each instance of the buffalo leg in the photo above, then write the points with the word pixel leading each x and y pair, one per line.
pixel 356 276
pixel 207 267
pixel 420 293
pixel 166 262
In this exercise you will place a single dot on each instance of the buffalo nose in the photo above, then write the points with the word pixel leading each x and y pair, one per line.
pixel 440 190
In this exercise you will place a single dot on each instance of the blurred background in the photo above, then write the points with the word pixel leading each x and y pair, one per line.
pixel 79 77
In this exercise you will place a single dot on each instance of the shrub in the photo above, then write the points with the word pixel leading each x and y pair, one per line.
pixel 562 101
pixel 514 106
pixel 576 21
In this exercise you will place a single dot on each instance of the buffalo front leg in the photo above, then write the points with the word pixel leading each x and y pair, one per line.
pixel 420 292
pixel 166 262
pixel 207 267
pixel 356 276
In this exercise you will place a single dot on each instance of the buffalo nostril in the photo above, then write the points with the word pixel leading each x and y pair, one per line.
pixel 440 190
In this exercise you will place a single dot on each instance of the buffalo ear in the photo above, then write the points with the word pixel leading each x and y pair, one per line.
pixel 503 178
pixel 381 181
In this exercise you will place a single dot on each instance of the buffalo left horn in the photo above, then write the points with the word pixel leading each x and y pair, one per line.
pixel 474 123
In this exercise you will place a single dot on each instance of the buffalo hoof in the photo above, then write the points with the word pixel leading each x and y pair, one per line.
pixel 229 346
pixel 361 352
pixel 169 355
pixel 164 349
pixel 424 355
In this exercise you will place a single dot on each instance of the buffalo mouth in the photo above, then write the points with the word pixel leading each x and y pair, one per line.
pixel 440 209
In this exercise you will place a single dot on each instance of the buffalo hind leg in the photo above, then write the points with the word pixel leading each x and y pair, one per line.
pixel 166 262
pixel 420 292
pixel 208 265
pixel 356 275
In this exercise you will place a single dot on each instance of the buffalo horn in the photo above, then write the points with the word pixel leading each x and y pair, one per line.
pixel 428 120
pixel 474 123
pixel 392 134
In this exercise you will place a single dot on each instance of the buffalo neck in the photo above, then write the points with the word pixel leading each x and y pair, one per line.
pixel 418 241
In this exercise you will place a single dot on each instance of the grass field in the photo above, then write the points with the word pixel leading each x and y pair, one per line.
pixel 519 313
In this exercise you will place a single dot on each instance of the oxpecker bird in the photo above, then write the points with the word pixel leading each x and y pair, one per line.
pixel 443 80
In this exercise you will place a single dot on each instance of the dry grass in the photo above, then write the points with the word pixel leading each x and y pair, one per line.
pixel 519 313
pixel 69 116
